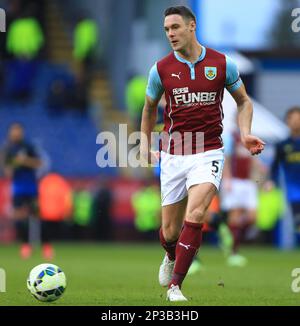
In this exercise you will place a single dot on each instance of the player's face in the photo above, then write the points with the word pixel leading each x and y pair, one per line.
pixel 179 31
pixel 293 121
pixel 16 134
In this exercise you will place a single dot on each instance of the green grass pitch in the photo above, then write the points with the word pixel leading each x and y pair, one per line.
pixel 122 274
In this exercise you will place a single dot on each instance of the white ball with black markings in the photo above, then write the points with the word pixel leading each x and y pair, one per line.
pixel 46 282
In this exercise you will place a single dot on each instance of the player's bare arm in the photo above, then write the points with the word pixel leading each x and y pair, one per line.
pixel 26 161
pixel 149 116
pixel 245 112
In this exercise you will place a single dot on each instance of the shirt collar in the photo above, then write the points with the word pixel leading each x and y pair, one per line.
pixel 201 57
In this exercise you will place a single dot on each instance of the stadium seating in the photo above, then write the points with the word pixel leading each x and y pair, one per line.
pixel 67 140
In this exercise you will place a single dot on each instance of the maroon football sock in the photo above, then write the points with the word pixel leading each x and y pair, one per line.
pixel 170 247
pixel 236 232
pixel 186 248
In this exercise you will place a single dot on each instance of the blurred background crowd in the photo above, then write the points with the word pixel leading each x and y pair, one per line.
pixel 71 69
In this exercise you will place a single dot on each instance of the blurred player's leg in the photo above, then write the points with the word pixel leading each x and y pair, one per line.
pixel 234 218
pixel 21 215
pixel 295 206
pixel 48 251
pixel 237 226
pixel 217 223
pixel 22 231
pixel 47 248
pixel 22 227
pixel 240 202
pixel 196 266
pixel 225 238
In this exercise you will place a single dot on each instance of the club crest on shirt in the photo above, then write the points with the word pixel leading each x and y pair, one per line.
pixel 210 72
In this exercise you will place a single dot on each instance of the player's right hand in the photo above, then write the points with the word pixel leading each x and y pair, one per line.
pixel 254 144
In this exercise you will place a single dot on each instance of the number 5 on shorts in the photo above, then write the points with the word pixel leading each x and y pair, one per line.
pixel 215 167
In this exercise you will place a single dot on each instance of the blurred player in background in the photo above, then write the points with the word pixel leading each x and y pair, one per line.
pixel 239 193
pixel 287 157
pixel 21 162
pixel 193 78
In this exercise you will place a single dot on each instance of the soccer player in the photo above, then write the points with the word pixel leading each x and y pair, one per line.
pixel 21 162
pixel 238 192
pixel 193 78
pixel 287 156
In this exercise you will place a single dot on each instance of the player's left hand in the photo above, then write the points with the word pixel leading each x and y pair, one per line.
pixel 254 144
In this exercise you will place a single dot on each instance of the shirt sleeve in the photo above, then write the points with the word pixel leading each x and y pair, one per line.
pixel 233 80
pixel 155 88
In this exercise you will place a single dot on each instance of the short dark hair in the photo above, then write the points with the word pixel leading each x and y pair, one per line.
pixel 182 11
pixel 294 109
pixel 16 124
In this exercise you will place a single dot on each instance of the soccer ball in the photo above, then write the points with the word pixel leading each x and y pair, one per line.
pixel 46 282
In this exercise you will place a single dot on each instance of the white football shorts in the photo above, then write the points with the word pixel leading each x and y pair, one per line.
pixel 180 172
pixel 241 194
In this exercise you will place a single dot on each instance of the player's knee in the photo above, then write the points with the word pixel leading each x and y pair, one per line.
pixel 197 215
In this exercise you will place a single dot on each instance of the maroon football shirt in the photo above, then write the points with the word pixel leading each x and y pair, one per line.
pixel 241 160
pixel 194 103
